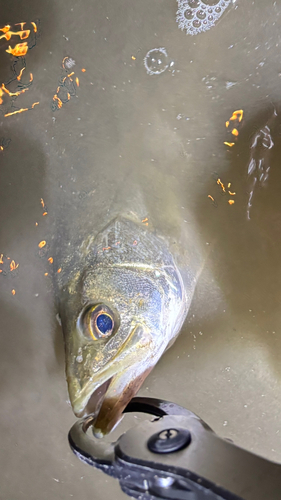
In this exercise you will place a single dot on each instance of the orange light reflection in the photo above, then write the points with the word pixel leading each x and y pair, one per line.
pixel 11 94
pixel 20 75
pixel 5 29
pixel 19 50
pixel 13 265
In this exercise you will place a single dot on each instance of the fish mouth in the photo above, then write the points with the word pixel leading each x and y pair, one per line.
pixel 114 404
pixel 107 393
pixel 108 401
pixel 95 401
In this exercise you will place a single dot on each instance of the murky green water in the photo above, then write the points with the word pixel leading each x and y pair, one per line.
pixel 129 137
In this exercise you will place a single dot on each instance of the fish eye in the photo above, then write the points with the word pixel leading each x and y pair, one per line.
pixel 104 324
pixel 97 322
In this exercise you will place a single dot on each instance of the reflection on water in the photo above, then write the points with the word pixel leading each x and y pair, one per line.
pixel 154 145
pixel 259 164
pixel 18 82
pixel 68 84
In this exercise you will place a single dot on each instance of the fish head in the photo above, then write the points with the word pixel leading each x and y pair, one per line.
pixel 119 314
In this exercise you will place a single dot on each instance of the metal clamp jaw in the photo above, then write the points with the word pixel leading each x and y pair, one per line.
pixel 177 456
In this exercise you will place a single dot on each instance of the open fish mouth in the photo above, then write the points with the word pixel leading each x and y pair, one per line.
pixel 95 401
pixel 107 402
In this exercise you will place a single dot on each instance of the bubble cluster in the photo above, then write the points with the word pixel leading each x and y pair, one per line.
pixel 156 61
pixel 196 16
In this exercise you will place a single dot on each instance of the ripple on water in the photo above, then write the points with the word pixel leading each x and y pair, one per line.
pixel 197 16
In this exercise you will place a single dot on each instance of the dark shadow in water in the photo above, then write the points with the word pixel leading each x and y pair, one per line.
pixel 22 186
pixel 246 255
pixel 16 349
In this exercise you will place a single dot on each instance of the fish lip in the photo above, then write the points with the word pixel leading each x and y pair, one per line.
pixel 80 403
pixel 89 391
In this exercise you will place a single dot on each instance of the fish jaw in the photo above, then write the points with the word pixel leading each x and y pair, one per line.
pixel 106 394
pixel 122 389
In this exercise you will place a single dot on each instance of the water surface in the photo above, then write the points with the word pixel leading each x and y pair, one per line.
pixel 152 139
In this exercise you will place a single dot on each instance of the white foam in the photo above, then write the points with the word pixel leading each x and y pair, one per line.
pixel 197 16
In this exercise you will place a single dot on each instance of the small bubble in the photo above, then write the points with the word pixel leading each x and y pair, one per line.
pixel 188 14
pixel 193 3
pixel 155 61
pixel 211 2
pixel 225 423
pixel 196 23
pixel 201 14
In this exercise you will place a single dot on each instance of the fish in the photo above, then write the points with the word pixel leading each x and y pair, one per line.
pixel 123 298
